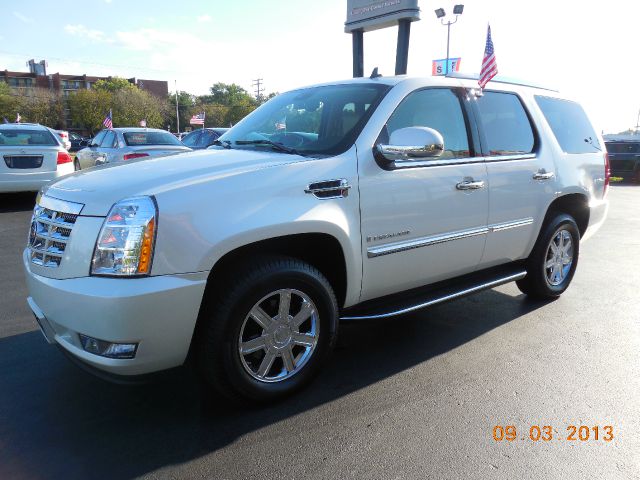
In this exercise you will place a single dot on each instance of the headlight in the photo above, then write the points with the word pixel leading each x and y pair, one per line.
pixel 126 240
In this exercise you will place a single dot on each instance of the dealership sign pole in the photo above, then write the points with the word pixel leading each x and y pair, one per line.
pixel 367 15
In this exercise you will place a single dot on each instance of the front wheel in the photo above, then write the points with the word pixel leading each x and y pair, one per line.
pixel 553 260
pixel 267 334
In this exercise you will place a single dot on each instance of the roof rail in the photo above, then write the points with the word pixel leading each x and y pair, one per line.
pixel 499 79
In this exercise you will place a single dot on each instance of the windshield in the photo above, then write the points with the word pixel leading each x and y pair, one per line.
pixel 27 137
pixel 150 138
pixel 318 120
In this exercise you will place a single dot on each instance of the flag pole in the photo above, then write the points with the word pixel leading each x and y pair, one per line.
pixel 177 113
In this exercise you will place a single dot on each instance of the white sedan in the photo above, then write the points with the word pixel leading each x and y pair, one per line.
pixel 32 155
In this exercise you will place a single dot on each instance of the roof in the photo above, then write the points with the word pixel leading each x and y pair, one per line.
pixel 137 129
pixel 622 137
pixel 15 126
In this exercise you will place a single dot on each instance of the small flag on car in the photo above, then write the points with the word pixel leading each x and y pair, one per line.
pixel 282 124
pixel 108 122
pixel 197 119
pixel 489 65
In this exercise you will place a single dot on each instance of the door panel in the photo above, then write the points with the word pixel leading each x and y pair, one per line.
pixel 417 227
pixel 521 176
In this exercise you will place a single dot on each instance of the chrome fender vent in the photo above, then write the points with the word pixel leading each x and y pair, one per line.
pixel 327 189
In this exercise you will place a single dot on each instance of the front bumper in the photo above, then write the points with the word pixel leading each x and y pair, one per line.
pixel 159 313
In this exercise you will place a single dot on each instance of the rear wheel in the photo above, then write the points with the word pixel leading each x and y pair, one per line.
pixel 267 334
pixel 553 261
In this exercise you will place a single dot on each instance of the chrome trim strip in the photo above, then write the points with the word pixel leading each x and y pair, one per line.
pixel 499 227
pixel 477 288
pixel 396 247
pixel 504 158
pixel 400 164
pixel 58 205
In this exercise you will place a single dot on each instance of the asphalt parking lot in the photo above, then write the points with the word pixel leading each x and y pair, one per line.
pixel 416 397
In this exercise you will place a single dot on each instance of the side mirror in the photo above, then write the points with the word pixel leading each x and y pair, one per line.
pixel 412 144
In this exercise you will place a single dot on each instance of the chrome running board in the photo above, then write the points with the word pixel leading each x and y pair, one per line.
pixel 451 291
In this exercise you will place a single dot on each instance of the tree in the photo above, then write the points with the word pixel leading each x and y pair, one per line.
pixel 186 101
pixel 114 84
pixel 88 108
pixel 9 102
pixel 132 105
pixel 42 106
pixel 228 95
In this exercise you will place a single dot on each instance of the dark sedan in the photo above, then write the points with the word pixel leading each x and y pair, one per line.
pixel 202 137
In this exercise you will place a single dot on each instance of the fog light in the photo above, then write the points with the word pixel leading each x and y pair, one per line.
pixel 108 349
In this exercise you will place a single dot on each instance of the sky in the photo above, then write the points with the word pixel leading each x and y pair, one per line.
pixel 583 49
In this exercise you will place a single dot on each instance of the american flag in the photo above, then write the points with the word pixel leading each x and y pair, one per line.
pixel 282 124
pixel 489 65
pixel 108 122
pixel 197 119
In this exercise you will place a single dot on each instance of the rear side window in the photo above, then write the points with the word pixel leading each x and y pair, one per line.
pixel 437 108
pixel 150 138
pixel 505 123
pixel 622 147
pixel 27 137
pixel 570 125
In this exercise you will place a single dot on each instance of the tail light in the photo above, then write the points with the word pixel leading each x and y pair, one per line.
pixel 131 156
pixel 607 173
pixel 63 157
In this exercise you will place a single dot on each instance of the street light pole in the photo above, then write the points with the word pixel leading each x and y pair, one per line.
pixel 177 113
pixel 440 13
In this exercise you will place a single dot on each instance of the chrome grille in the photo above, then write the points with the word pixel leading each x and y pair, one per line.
pixel 48 236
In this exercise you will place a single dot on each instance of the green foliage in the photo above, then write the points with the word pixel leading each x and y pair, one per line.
pixel 132 105
pixel 43 107
pixel 9 103
pixel 229 95
pixel 114 84
pixel 89 107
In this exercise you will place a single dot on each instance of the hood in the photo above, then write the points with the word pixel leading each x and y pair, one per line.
pixel 99 188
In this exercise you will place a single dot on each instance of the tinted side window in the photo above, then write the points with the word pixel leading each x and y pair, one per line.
pixel 437 108
pixel 622 147
pixel 98 138
pixel 570 125
pixel 107 142
pixel 191 139
pixel 505 123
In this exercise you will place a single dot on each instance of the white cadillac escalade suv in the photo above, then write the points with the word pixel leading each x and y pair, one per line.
pixel 367 198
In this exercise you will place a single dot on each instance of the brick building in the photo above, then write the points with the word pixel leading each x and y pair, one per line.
pixel 25 83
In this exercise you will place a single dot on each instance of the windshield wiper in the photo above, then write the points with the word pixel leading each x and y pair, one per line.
pixel 222 143
pixel 277 146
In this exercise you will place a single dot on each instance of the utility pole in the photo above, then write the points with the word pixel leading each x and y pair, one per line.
pixel 177 113
pixel 257 83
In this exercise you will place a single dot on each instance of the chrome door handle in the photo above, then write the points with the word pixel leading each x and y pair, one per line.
pixel 470 185
pixel 542 174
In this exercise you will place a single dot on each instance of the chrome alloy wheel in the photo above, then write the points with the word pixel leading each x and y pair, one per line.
pixel 279 335
pixel 559 258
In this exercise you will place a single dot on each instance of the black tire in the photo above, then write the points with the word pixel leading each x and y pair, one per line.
pixel 226 312
pixel 76 165
pixel 537 283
